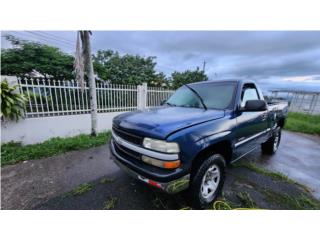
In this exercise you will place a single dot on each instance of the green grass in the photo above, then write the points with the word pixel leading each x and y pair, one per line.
pixel 246 200
pixel 81 189
pixel 12 153
pixel 301 202
pixel 301 122
pixel 106 180
pixel 110 203
pixel 158 203
pixel 275 175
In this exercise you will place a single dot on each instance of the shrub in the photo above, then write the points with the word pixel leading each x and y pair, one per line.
pixel 12 103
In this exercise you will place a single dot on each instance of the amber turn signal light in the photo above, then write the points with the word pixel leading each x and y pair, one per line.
pixel 172 164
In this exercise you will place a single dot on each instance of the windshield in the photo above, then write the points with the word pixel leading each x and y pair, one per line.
pixel 184 97
pixel 214 95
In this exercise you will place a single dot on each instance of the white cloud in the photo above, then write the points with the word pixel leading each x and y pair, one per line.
pixel 310 78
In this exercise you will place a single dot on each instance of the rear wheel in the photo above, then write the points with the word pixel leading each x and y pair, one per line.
pixel 207 182
pixel 271 146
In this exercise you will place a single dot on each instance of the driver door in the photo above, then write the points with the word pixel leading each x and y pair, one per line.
pixel 250 125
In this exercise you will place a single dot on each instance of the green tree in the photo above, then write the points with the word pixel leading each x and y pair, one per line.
pixel 180 78
pixel 26 57
pixel 127 69
pixel 100 63
pixel 160 80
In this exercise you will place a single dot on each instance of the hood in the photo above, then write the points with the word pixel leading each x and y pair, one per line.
pixel 160 122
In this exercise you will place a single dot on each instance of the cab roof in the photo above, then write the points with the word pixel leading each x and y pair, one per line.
pixel 238 81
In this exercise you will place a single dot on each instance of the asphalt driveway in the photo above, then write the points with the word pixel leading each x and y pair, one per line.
pixel 46 183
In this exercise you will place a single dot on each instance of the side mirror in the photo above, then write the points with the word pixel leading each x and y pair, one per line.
pixel 255 106
pixel 163 102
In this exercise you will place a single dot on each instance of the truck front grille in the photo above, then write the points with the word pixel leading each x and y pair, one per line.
pixel 125 152
pixel 127 136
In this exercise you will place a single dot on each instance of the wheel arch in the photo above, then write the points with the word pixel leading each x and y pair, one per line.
pixel 281 122
pixel 222 147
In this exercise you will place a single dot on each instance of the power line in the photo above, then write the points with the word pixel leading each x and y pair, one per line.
pixel 21 35
pixel 43 35
pixel 48 38
pixel 40 38
pixel 37 37
pixel 54 37
pixel 65 39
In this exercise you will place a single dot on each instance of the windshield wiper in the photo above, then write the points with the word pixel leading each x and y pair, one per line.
pixel 171 104
pixel 197 94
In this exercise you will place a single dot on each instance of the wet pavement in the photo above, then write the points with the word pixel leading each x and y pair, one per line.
pixel 27 184
pixel 298 158
pixel 128 193
pixel 46 183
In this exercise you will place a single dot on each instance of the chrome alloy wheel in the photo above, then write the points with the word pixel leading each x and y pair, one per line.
pixel 210 182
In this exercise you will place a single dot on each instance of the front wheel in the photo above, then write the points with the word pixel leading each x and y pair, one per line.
pixel 271 146
pixel 207 181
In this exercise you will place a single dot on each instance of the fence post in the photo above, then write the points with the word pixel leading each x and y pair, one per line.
pixel 142 96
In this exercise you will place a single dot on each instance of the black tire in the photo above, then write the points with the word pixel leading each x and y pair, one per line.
pixel 195 193
pixel 271 146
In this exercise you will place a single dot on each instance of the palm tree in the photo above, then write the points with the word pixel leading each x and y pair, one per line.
pixel 83 66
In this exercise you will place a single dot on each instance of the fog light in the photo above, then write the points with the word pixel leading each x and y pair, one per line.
pixel 152 161
pixel 159 163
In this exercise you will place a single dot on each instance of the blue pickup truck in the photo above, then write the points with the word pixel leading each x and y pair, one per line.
pixel 188 141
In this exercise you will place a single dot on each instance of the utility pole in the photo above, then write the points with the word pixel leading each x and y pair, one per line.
pixel 88 66
pixel 204 66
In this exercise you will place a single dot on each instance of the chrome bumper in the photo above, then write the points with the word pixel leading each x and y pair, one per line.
pixel 171 187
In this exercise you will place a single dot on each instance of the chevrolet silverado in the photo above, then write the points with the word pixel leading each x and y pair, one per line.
pixel 188 141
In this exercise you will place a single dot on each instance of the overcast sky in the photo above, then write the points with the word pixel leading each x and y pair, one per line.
pixel 275 59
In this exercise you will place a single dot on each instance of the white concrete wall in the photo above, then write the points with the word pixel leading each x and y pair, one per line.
pixel 36 130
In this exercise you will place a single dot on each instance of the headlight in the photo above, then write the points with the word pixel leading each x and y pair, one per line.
pixel 161 146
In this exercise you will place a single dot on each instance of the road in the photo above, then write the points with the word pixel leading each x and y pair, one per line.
pixel 44 183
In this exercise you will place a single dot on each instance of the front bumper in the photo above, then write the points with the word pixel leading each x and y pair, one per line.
pixel 171 187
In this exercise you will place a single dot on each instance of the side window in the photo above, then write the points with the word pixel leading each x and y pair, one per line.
pixel 248 93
